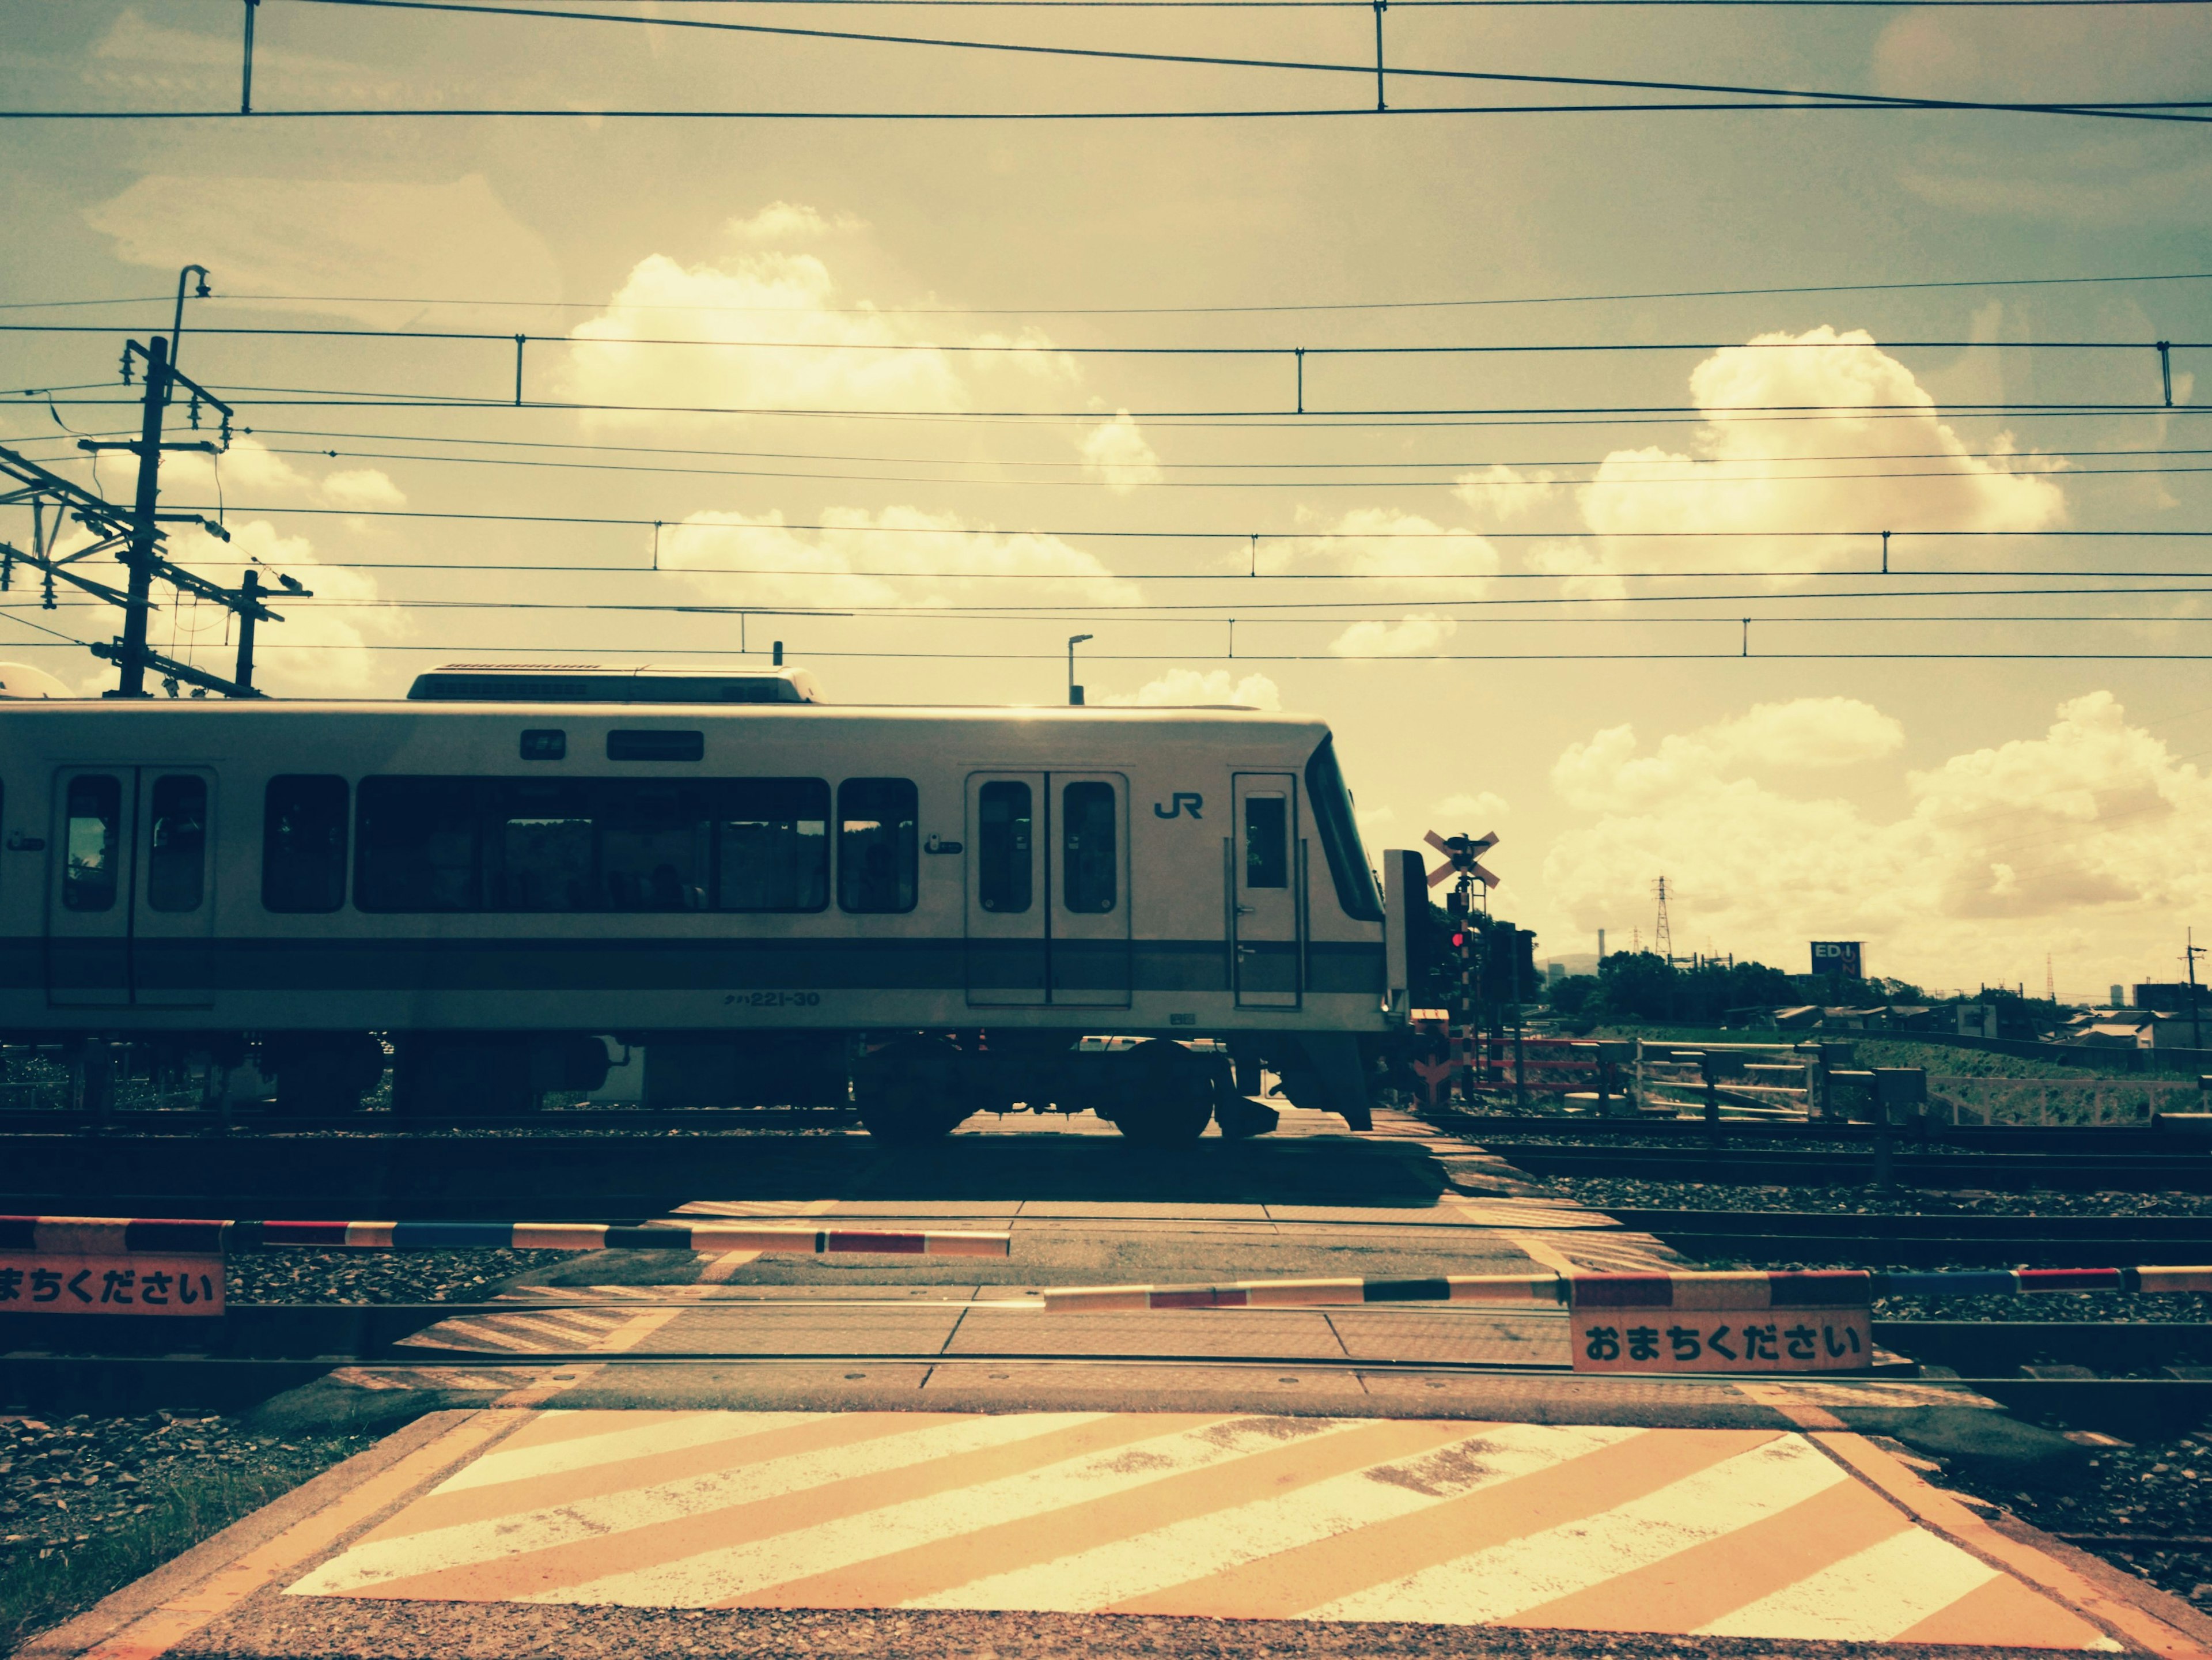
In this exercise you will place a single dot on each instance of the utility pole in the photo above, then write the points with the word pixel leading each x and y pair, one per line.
pixel 2196 1018
pixel 139 555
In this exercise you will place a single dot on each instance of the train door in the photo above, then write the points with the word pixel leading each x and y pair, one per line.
pixel 1008 903
pixel 131 905
pixel 1090 942
pixel 1265 870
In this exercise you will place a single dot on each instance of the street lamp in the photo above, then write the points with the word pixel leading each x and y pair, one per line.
pixel 1074 692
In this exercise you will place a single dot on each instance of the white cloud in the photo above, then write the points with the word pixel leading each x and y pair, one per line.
pixel 791 221
pixel 1465 810
pixel 864 557
pixel 1746 493
pixel 249 468
pixel 1188 687
pixel 1606 772
pixel 332 236
pixel 362 488
pixel 1437 563
pixel 1504 492
pixel 1414 636
pixel 818 355
pixel 2088 840
pixel 1116 451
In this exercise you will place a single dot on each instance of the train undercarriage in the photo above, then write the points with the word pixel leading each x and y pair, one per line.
pixel 907 1087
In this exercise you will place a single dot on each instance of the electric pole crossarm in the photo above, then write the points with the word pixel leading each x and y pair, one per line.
pixel 87 508
pixel 52 568
pixel 175 670
pixel 244 604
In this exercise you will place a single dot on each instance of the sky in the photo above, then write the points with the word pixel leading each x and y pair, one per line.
pixel 924 398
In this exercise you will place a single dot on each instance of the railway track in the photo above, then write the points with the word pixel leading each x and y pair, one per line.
pixel 2146 1171
pixel 2131 1377
pixel 1877 1240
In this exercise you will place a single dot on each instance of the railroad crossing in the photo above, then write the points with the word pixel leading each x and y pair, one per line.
pixel 801 1417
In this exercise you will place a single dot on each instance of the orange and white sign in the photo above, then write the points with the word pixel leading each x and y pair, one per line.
pixel 1668 1339
pixel 44 1282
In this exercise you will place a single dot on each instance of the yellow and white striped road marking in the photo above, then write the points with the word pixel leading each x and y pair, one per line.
pixel 1747 1533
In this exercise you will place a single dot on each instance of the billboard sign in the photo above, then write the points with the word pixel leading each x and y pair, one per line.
pixel 1837 957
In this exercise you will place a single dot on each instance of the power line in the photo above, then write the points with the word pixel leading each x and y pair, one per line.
pixel 254 396
pixel 1014 349
pixel 2151 110
pixel 1167 466
pixel 1193 311
pixel 2171 111
pixel 1224 484
pixel 1238 536
pixel 1728 656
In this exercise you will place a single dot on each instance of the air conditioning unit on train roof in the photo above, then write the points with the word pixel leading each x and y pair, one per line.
pixel 610 682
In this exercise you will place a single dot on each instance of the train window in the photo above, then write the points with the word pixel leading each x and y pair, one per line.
pixel 544 836
pixel 1089 853
pixel 876 850
pixel 656 746
pixel 655 846
pixel 176 865
pixel 1267 842
pixel 303 843
pixel 1002 846
pixel 773 837
pixel 416 845
pixel 1339 836
pixel 94 811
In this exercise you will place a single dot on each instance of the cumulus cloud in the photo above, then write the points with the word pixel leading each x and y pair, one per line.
pixel 1502 492
pixel 1116 451
pixel 858 556
pixel 1414 636
pixel 250 469
pixel 1608 772
pixel 784 333
pixel 2086 841
pixel 1464 809
pixel 332 236
pixel 1187 687
pixel 1377 541
pixel 793 221
pixel 1750 487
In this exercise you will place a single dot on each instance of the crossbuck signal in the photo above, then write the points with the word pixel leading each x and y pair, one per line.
pixel 1462 856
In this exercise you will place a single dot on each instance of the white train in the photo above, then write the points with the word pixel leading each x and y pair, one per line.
pixel 779 899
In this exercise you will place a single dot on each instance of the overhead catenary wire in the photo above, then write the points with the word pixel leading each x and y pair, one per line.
pixel 2161 109
pixel 1238 536
pixel 1900 287
pixel 1045 348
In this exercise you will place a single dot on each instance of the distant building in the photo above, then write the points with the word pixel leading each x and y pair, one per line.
pixel 2172 996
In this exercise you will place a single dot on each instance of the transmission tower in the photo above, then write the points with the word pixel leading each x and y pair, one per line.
pixel 2050 985
pixel 1662 936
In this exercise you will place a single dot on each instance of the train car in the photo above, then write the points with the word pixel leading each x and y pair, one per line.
pixel 923 910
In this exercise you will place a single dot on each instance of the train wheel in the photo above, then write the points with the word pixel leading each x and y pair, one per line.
pixel 1164 1095
pixel 911 1091
pixel 323 1073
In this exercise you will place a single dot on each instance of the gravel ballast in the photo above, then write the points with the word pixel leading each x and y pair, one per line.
pixel 288 1274
pixel 88 1504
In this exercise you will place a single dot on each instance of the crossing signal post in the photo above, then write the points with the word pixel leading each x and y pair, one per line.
pixel 1463 868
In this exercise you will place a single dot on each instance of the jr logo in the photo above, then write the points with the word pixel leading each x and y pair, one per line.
pixel 1185 800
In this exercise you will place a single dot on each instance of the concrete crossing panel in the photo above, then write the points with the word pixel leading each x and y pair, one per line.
pixel 1749 1533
